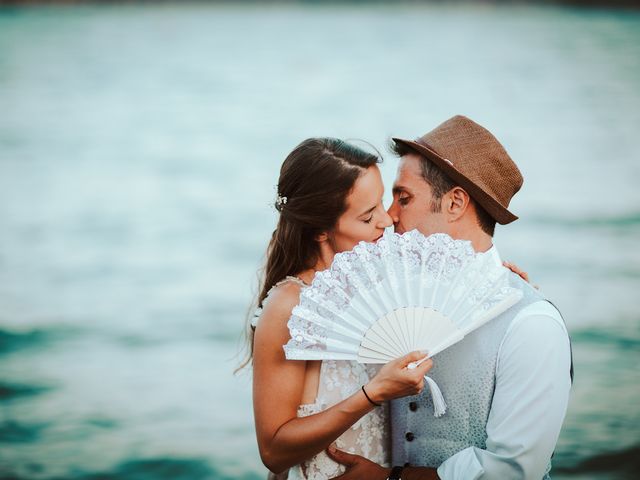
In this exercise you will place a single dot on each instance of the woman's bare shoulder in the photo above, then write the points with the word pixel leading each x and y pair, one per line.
pixel 279 304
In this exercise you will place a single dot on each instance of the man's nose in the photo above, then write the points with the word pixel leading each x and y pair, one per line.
pixel 393 213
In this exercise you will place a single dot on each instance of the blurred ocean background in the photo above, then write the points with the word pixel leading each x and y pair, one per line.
pixel 139 149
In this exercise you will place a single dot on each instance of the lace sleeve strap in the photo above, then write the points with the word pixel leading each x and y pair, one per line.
pixel 288 279
pixel 291 278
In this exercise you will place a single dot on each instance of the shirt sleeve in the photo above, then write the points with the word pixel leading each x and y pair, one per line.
pixel 529 402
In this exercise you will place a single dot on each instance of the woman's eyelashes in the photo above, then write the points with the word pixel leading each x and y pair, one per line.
pixel 380 206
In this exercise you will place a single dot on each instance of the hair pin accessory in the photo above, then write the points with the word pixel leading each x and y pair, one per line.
pixel 281 200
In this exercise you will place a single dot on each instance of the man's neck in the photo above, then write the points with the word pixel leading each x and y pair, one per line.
pixel 466 227
pixel 480 241
pixel 482 245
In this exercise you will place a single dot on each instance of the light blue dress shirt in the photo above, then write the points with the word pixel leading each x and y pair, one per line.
pixel 529 403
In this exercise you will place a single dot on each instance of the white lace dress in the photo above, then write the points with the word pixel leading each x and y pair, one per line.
pixel 369 437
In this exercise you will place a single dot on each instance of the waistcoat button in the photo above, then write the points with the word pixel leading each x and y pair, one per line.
pixel 413 406
pixel 409 436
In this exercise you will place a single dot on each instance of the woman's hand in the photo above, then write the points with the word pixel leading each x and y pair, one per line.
pixel 518 271
pixel 395 380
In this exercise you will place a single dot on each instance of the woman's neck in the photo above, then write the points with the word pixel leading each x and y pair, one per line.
pixel 325 258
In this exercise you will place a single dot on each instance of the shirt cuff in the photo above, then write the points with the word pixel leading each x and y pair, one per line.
pixel 464 465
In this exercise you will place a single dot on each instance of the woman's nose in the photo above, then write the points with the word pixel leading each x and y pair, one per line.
pixel 386 220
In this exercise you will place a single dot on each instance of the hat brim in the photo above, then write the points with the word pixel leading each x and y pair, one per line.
pixel 498 212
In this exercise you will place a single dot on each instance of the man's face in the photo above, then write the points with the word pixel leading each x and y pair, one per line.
pixel 412 205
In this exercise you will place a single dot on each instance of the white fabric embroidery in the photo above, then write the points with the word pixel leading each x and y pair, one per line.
pixel 371 280
pixel 368 437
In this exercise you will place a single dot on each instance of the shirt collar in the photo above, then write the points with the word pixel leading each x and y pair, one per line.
pixel 494 254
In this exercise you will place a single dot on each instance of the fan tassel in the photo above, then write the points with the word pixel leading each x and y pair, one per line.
pixel 439 405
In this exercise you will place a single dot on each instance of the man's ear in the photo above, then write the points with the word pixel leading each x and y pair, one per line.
pixel 457 201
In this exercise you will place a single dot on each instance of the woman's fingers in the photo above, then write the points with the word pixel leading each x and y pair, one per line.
pixel 424 367
pixel 412 357
pixel 517 270
pixel 417 370
pixel 400 377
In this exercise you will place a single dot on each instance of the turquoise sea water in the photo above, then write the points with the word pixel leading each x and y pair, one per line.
pixel 139 147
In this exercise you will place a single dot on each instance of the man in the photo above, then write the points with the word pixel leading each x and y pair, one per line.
pixel 507 383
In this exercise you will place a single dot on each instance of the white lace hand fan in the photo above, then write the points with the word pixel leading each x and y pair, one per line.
pixel 407 292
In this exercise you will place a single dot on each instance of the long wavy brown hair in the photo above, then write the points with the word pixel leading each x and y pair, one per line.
pixel 316 178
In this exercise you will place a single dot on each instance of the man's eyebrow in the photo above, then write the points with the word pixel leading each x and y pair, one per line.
pixel 398 189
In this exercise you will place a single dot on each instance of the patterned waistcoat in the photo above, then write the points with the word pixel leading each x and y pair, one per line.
pixel 465 373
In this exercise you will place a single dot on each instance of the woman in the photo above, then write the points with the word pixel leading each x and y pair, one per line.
pixel 329 199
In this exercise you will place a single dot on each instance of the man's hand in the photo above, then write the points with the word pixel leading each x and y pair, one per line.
pixel 358 467
pixel 395 380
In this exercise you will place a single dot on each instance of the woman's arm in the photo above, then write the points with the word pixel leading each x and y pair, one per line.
pixel 284 439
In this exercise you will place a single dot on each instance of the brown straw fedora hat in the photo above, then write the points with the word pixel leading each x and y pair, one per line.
pixel 474 159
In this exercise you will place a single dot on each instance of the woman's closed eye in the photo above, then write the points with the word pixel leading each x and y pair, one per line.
pixel 368 220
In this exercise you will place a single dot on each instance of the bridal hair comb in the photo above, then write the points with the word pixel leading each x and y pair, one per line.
pixel 281 201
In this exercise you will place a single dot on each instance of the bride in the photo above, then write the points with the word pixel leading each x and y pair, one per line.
pixel 329 199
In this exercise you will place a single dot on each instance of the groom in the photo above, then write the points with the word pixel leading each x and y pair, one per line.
pixel 507 383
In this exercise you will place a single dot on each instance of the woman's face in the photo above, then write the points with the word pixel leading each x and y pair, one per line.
pixel 365 217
